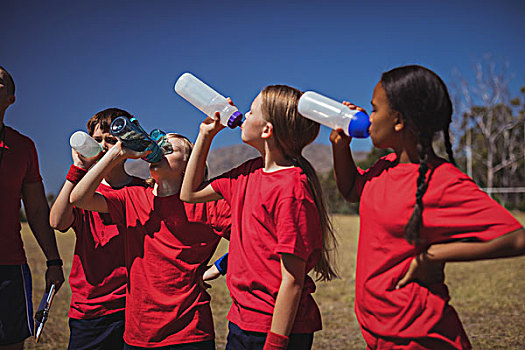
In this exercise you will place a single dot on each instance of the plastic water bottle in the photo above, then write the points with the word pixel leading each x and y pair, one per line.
pixel 131 134
pixel 334 114
pixel 207 100
pixel 84 144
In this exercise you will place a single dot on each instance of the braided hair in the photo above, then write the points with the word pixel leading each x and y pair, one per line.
pixel 422 98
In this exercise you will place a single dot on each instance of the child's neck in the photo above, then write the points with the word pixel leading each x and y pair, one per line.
pixel 166 187
pixel 117 177
pixel 275 160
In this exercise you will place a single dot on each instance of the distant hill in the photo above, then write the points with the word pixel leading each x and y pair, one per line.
pixel 225 158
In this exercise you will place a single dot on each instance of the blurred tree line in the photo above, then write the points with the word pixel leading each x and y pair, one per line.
pixel 488 133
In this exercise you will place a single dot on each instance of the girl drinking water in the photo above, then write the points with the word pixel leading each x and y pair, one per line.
pixel 280 228
pixel 167 246
pixel 417 211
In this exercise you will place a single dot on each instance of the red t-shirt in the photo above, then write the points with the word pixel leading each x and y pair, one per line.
pixel 19 167
pixel 454 208
pixel 167 244
pixel 272 213
pixel 98 275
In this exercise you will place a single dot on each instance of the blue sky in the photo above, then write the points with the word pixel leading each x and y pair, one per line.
pixel 71 59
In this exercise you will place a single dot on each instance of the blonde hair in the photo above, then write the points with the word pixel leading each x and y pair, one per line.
pixel 189 148
pixel 292 132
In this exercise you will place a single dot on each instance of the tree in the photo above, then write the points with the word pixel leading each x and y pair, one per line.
pixel 489 132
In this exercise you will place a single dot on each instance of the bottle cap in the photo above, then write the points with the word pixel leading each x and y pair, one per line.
pixel 235 119
pixel 359 125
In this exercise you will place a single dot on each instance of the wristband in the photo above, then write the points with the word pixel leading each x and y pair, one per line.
pixel 54 262
pixel 75 174
pixel 276 341
pixel 222 264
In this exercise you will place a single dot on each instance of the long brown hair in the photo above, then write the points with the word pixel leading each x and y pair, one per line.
pixel 292 132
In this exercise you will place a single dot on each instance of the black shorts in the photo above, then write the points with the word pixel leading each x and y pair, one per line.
pixel 241 339
pixel 200 345
pixel 16 307
pixel 100 333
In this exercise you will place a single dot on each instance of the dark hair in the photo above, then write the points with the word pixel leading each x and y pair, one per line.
pixel 11 81
pixel 422 99
pixel 292 132
pixel 104 119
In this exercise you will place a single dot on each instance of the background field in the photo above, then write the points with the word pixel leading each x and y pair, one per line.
pixel 488 296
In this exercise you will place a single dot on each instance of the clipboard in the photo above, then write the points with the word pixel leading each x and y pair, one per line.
pixel 42 313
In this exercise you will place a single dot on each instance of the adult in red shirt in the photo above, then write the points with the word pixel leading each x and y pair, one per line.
pixel 98 275
pixel 20 179
pixel 417 211
pixel 167 245
pixel 280 229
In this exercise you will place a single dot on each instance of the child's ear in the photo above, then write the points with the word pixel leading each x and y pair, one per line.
pixel 267 131
pixel 399 121
pixel 12 99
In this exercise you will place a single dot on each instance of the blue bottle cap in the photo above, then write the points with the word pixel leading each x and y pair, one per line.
pixel 235 120
pixel 359 125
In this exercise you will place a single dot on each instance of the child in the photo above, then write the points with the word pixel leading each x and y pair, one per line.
pixel 167 246
pixel 98 275
pixel 280 228
pixel 417 211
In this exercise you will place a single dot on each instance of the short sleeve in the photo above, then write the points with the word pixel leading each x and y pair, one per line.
pixel 116 202
pixel 33 173
pixel 219 217
pixel 466 212
pixel 298 227
pixel 223 184
pixel 365 175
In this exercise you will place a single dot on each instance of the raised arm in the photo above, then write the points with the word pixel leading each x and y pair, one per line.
pixel 84 194
pixel 37 212
pixel 345 170
pixel 61 216
pixel 193 190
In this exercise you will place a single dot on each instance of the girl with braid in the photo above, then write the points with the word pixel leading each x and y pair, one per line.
pixel 280 228
pixel 417 211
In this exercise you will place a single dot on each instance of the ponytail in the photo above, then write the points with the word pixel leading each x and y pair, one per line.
pixel 325 268
pixel 292 132
pixel 413 227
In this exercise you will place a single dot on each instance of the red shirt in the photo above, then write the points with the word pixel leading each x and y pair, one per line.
pixel 98 275
pixel 272 213
pixel 19 167
pixel 167 244
pixel 454 208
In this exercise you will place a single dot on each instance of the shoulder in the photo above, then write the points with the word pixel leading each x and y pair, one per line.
pixel 18 137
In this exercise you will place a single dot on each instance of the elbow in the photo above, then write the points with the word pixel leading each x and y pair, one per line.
pixel 76 199
pixel 519 242
pixel 187 196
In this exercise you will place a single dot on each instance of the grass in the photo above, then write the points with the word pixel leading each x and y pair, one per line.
pixel 488 296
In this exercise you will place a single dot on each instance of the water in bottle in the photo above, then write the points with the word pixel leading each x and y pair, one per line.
pixel 207 100
pixel 334 114
pixel 84 144
pixel 132 136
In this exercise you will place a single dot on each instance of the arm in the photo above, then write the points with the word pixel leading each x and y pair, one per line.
pixel 61 216
pixel 37 212
pixel 293 270
pixel 508 245
pixel 192 190
pixel 84 194
pixel 345 170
